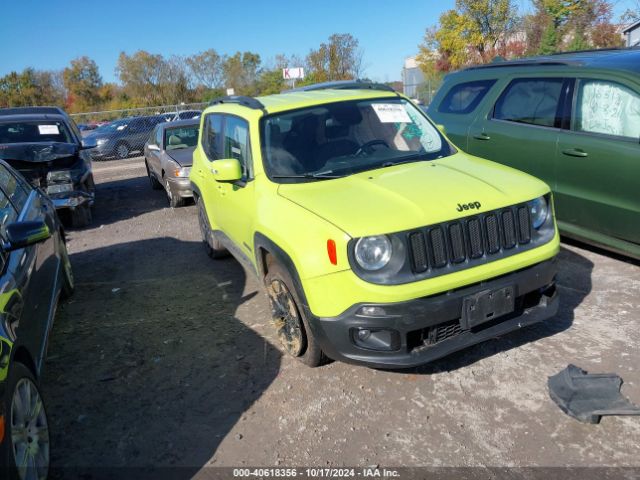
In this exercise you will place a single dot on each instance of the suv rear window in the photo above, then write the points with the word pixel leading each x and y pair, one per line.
pixel 465 97
pixel 534 101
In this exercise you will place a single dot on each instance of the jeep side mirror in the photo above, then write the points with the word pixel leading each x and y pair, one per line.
pixel 226 170
pixel 23 234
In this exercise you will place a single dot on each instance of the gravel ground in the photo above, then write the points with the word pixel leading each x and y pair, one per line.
pixel 164 357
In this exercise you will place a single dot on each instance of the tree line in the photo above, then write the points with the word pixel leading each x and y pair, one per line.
pixel 150 79
pixel 478 31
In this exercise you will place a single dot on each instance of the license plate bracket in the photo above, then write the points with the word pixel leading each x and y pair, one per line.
pixel 487 305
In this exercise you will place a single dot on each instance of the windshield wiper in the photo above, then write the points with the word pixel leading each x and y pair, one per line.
pixel 318 176
pixel 407 159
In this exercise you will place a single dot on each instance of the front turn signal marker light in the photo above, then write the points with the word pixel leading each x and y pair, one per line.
pixel 331 250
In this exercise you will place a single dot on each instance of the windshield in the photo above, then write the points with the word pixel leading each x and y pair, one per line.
pixel 348 137
pixel 45 131
pixel 185 137
pixel 116 126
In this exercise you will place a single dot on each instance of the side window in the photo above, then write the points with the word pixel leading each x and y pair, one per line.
pixel 465 97
pixel 535 101
pixel 8 213
pixel 236 142
pixel 152 138
pixel 13 188
pixel 607 108
pixel 212 136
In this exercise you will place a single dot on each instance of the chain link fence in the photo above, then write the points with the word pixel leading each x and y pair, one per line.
pixel 123 133
pixel 423 92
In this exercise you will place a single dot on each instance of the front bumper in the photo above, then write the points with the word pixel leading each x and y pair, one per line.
pixel 180 187
pixel 426 329
pixel 72 199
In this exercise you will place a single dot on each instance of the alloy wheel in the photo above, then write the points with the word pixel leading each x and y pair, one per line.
pixel 29 431
pixel 286 317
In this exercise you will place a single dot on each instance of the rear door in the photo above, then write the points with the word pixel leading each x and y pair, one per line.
pixel 598 160
pixel 521 123
pixel 34 268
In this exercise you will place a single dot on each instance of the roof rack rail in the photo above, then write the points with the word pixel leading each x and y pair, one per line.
pixel 32 111
pixel 343 85
pixel 524 63
pixel 248 102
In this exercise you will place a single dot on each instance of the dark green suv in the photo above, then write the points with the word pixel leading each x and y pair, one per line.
pixel 572 120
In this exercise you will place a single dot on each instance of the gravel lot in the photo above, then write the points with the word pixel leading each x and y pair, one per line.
pixel 165 357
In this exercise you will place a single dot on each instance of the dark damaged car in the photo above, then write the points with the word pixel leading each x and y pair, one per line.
pixel 45 146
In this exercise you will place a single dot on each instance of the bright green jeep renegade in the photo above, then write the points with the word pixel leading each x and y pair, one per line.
pixel 378 241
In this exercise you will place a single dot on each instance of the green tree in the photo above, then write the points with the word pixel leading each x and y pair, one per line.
pixel 82 81
pixel 31 88
pixel 141 76
pixel 207 68
pixel 474 32
pixel 241 72
pixel 341 58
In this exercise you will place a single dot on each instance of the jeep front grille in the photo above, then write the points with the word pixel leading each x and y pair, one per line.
pixel 485 235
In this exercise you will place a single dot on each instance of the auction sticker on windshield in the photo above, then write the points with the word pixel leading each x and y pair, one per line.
pixel 391 113
pixel 48 130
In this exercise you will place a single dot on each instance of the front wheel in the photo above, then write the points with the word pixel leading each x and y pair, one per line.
pixel 288 318
pixel 27 427
pixel 122 150
pixel 175 201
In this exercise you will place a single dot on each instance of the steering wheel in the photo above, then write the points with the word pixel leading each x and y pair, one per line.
pixel 367 146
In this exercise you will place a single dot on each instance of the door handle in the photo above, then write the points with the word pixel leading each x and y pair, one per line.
pixel 575 152
pixel 482 136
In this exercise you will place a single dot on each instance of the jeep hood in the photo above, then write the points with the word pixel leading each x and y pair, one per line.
pixel 403 197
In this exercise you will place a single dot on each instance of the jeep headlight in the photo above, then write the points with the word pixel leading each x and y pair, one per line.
pixel 539 209
pixel 373 253
pixel 102 141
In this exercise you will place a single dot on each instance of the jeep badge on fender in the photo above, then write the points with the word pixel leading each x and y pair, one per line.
pixel 469 206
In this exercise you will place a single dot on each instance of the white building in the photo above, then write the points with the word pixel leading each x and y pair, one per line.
pixel 412 77
pixel 632 34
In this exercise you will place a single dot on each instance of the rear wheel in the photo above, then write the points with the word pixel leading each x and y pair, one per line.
pixel 212 245
pixel 27 427
pixel 289 319
pixel 153 181
pixel 81 216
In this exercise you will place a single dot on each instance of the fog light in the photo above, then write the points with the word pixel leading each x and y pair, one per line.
pixel 372 311
pixel 376 338
pixel 363 334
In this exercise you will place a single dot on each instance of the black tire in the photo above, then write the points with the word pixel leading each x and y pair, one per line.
pixel 292 326
pixel 153 181
pixel 20 375
pixel 174 200
pixel 122 150
pixel 212 245
pixel 81 216
pixel 68 281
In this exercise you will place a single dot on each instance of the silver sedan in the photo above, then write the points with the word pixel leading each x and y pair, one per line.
pixel 168 155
